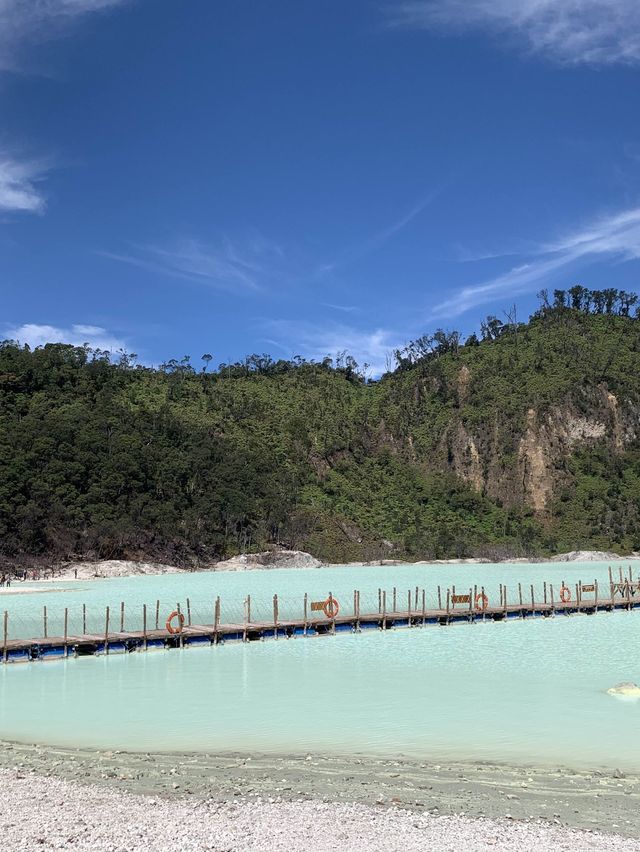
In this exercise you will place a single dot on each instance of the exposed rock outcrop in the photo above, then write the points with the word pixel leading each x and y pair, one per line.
pixel 269 559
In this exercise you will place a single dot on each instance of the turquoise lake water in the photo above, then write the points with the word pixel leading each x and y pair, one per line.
pixel 529 691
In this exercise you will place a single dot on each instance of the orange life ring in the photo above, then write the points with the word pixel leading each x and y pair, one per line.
pixel 331 607
pixel 179 626
pixel 485 600
pixel 565 594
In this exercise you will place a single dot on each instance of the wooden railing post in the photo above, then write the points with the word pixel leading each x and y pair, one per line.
pixel 106 631
pixel 275 616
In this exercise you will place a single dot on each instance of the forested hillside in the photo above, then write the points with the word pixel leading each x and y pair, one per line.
pixel 521 441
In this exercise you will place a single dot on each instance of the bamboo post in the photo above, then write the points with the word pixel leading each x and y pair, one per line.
pixel 501 595
pixel 394 599
pixel 275 616
pixel 157 614
pixel 357 624
pixel 475 595
pixel 533 601
pixel 122 617
pixel 520 594
pixel 355 604
pixel 106 631
pixel 424 606
pixel 505 599
pixel 188 612
pixel 216 619
pixel 595 594
pixel 551 596
pixel 384 610
pixel 471 600
pixel 379 601
pixel 44 618
pixel 333 614
pixel 306 600
pixel 66 626
pixel 578 595
pixel 416 599
pixel 144 626
pixel 409 604
pixel 84 619
pixel 611 583
pixel 448 601
pixel 545 591
pixel 248 609
pixel 5 635
pixel 439 599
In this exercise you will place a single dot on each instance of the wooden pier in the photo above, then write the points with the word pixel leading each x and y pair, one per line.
pixel 324 617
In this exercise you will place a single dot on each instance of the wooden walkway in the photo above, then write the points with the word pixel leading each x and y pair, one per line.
pixel 327 618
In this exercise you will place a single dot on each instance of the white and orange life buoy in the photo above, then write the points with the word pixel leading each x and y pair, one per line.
pixel 169 623
pixel 331 607
pixel 482 601
pixel 565 594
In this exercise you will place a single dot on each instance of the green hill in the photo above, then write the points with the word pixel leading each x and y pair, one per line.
pixel 523 442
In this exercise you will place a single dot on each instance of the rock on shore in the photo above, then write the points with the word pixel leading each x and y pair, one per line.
pixel 269 559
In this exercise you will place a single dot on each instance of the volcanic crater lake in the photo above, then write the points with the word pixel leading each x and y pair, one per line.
pixel 531 691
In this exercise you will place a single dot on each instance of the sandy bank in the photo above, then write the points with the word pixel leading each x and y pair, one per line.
pixel 46 813
pixel 602 800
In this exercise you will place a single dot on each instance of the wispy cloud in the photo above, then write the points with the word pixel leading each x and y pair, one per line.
pixel 346 309
pixel 34 334
pixel 377 240
pixel 33 21
pixel 226 265
pixel 18 184
pixel 316 341
pixel 572 32
pixel 615 236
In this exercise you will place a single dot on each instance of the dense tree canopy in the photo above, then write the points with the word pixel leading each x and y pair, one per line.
pixel 101 456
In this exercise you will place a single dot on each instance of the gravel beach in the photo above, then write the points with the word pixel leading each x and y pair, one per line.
pixel 83 799
pixel 52 813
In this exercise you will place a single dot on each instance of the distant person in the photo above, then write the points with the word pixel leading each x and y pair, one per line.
pixel 75 573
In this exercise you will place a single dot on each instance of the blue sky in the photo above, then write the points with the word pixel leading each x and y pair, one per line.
pixel 189 176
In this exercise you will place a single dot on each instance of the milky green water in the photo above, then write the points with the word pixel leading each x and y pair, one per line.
pixel 520 691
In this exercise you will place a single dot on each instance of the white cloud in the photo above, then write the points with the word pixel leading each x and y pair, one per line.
pixel 34 335
pixel 615 236
pixel 374 348
pixel 18 190
pixel 33 21
pixel 597 32
pixel 377 240
pixel 227 265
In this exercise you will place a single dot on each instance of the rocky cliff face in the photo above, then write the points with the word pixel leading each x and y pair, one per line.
pixel 528 467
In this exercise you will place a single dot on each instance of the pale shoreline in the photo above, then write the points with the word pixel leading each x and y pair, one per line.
pixel 49 813
pixel 453 806
pixel 291 560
